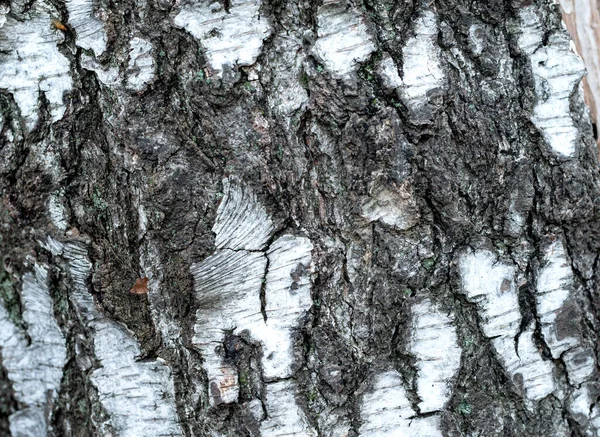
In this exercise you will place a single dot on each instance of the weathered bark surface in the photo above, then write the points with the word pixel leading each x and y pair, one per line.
pixel 370 218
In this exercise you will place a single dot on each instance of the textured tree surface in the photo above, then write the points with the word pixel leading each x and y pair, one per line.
pixel 270 218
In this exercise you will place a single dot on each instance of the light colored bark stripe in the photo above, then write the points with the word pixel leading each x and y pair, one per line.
pixel 138 396
pixel 31 64
pixel 284 415
pixel 228 292
pixel 227 289
pixel 34 368
pixel 435 345
pixel 422 71
pixel 343 38
pixel 553 290
pixel 230 38
pixel 242 222
pixel 386 411
pixel 490 284
pixel 287 300
pixel 557 71
pixel 90 33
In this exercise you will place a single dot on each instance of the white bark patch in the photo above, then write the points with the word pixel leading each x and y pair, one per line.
pixel 584 407
pixel 536 374
pixel 435 345
pixel 557 71
pixel 242 222
pixel 228 291
pixel 580 365
pixel 227 288
pixel 553 283
pixel 388 71
pixel 394 208
pixel 230 39
pixel 32 64
pixel 34 368
pixel 287 300
pixel 57 213
pixel 343 37
pixel 491 286
pixel 108 76
pixel 140 70
pixel 284 416
pixel 138 396
pixel 89 31
pixel 386 411
pixel 422 71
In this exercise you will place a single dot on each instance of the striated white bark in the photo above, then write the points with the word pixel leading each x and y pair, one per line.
pixel 56 210
pixel 435 345
pixel 242 222
pixel 553 292
pixel 284 416
pixel 422 71
pixel 554 302
pixel 34 360
pixel 557 71
pixel 388 71
pixel 32 64
pixel 89 30
pixel 491 285
pixel 138 396
pixel 231 39
pixel 228 291
pixel 288 298
pixel 386 411
pixel 343 37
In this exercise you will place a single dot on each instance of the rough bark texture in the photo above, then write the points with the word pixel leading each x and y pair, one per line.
pixel 371 218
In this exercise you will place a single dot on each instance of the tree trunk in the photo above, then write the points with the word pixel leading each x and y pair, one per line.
pixel 268 218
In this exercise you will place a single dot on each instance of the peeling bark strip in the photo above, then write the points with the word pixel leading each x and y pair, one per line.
pixel 343 37
pixel 138 396
pixel 34 359
pixel 435 345
pixel 90 33
pixel 491 284
pixel 422 71
pixel 558 315
pixel 386 411
pixel 231 37
pixel 228 290
pixel 32 65
pixel 557 71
